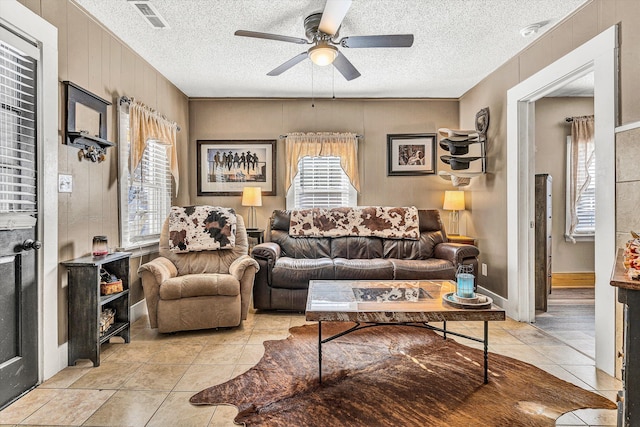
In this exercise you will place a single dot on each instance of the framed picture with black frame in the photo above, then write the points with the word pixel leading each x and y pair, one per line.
pixel 411 154
pixel 225 167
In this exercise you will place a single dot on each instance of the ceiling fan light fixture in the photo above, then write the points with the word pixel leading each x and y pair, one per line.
pixel 323 54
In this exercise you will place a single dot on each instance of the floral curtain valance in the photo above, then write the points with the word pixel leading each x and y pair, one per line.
pixel 583 154
pixel 322 144
pixel 146 124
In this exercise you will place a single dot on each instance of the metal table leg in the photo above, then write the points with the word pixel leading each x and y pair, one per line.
pixel 486 350
pixel 320 351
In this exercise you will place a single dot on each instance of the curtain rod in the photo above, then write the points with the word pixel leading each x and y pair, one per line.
pixel 568 119
pixel 357 136
pixel 126 100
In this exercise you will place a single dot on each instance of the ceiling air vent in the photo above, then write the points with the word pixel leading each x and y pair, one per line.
pixel 149 13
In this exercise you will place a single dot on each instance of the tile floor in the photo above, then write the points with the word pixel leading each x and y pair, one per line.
pixel 148 382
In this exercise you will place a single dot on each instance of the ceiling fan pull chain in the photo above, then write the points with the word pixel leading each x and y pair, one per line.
pixel 313 104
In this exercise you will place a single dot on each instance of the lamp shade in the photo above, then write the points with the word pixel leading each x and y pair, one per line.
pixel 453 201
pixel 252 196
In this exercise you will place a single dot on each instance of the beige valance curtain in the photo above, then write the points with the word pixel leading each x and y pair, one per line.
pixel 583 155
pixel 145 124
pixel 322 144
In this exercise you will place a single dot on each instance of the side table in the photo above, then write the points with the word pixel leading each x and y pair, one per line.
pixel 256 236
pixel 456 238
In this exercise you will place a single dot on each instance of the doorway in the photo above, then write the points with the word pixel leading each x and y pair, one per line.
pixel 568 311
pixel 599 55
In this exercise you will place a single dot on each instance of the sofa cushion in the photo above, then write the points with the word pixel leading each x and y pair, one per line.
pixel 425 269
pixel 301 248
pixel 355 247
pixel 363 269
pixel 198 285
pixel 292 273
pixel 413 249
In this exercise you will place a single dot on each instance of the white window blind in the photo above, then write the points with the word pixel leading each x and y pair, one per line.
pixel 17 131
pixel 321 183
pixel 148 191
pixel 586 207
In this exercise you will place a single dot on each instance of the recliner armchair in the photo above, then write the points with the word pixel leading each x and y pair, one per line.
pixel 199 290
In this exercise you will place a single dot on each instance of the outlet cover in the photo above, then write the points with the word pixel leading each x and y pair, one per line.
pixel 65 183
pixel 484 269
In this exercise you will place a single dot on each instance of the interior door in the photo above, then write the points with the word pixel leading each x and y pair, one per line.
pixel 18 218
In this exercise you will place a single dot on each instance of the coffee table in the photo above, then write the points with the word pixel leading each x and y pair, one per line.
pixel 369 303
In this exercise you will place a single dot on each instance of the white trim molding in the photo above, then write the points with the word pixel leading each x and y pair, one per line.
pixel 600 56
pixel 19 19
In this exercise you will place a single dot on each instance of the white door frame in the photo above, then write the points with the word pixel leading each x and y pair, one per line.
pixel 35 29
pixel 598 55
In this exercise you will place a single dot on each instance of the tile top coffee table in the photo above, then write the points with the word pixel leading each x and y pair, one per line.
pixel 370 303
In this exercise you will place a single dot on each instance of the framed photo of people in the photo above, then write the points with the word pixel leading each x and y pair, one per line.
pixel 411 154
pixel 225 167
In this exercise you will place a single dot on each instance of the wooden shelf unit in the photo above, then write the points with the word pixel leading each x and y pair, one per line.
pixel 86 304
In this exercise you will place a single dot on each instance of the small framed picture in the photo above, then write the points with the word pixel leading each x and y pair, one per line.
pixel 411 154
pixel 225 167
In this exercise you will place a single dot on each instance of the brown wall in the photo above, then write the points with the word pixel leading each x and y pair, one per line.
pixel 489 204
pixel 93 58
pixel 267 119
pixel 551 133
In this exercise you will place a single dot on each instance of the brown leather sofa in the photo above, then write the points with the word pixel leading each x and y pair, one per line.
pixel 288 263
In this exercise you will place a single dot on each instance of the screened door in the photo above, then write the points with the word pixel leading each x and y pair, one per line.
pixel 18 218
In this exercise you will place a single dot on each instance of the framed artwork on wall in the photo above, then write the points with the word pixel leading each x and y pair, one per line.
pixel 225 167
pixel 411 154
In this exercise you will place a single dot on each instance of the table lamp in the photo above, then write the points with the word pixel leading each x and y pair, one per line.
pixel 252 197
pixel 454 202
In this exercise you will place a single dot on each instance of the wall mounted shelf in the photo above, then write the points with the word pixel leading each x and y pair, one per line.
pixel 86 122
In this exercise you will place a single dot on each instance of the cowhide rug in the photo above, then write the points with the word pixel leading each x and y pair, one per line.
pixel 393 376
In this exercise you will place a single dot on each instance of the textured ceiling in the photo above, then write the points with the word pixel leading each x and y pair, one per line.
pixel 457 43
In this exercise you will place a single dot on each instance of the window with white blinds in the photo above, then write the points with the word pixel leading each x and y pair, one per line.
pixel 586 208
pixel 321 183
pixel 17 131
pixel 147 190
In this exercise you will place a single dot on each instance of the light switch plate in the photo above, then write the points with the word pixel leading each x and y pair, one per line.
pixel 65 183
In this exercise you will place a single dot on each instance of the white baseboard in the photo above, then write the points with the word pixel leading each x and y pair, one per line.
pixel 63 356
pixel 497 299
pixel 137 310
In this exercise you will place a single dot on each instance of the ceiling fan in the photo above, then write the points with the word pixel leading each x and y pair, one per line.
pixel 321 30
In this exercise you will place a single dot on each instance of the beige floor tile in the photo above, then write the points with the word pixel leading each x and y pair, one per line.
pixel 199 377
pixel 128 408
pixel 521 352
pixel 299 320
pixel 65 378
pixel 177 353
pixel 156 377
pixel 235 337
pixel 223 416
pixel 597 417
pixel 594 377
pixel 220 354
pixel 134 352
pixel 258 337
pixel 26 405
pixel 108 375
pixel 271 322
pixel 251 354
pixel 69 407
pixel 564 355
pixel 177 411
pixel 569 419
pixel 533 336
pixel 563 374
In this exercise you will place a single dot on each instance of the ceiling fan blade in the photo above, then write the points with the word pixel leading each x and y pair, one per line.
pixel 345 67
pixel 332 16
pixel 268 36
pixel 290 63
pixel 395 40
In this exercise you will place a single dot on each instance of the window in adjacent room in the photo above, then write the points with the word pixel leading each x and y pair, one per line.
pixel 321 183
pixel 581 182
pixel 145 193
